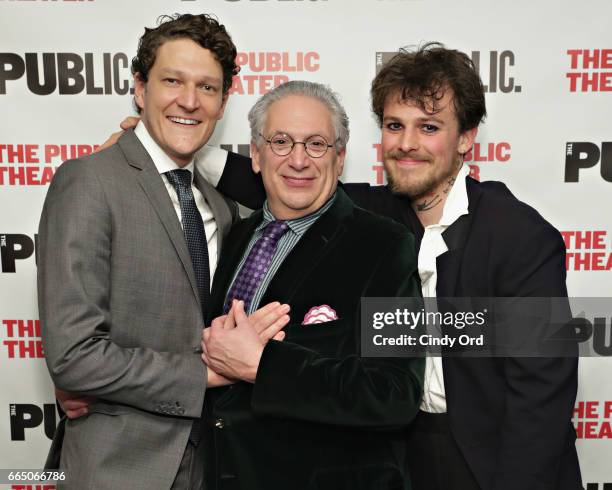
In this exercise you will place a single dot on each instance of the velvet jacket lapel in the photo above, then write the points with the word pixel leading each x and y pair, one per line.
pixel 309 251
pixel 155 190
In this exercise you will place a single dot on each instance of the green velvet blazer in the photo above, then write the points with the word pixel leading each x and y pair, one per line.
pixel 319 416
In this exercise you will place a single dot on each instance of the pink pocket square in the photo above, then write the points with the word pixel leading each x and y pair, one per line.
pixel 319 314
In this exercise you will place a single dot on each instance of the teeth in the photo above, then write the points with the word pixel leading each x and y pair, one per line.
pixel 180 120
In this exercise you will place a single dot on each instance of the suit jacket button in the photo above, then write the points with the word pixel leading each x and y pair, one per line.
pixel 219 423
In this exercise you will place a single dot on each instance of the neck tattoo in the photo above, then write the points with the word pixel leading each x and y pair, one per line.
pixel 427 205
pixel 450 183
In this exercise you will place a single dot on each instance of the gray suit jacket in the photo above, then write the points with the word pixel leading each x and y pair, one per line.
pixel 121 317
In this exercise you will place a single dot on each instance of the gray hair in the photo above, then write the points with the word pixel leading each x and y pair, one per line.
pixel 322 93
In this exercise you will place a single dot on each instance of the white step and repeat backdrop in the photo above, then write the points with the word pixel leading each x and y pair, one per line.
pixel 65 85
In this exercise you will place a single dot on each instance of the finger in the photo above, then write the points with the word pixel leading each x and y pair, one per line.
pixel 206 353
pixel 110 141
pixel 239 313
pixel 269 318
pixel 263 312
pixel 230 322
pixel 205 359
pixel 205 334
pixel 76 404
pixel 75 414
pixel 276 327
pixel 205 356
pixel 280 336
pixel 61 395
pixel 129 122
pixel 219 321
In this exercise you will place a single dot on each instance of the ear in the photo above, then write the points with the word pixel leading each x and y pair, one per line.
pixel 255 157
pixel 466 140
pixel 340 161
pixel 139 91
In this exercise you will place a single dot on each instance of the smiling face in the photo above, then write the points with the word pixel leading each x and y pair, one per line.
pixel 421 150
pixel 182 100
pixel 297 184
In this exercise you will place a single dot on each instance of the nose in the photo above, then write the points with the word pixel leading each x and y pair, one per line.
pixel 188 97
pixel 408 140
pixel 298 158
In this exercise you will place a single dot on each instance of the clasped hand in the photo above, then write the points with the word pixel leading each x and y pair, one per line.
pixel 232 346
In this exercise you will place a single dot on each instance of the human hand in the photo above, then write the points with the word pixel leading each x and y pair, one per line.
pixel 214 380
pixel 127 123
pixel 73 405
pixel 269 320
pixel 231 346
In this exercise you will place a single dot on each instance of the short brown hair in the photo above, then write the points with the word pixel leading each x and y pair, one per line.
pixel 203 29
pixel 424 74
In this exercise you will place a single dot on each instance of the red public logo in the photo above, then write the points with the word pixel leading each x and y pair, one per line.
pixel 268 70
pixel 22 339
pixel 587 250
pixel 33 165
pixel 592 419
pixel 591 70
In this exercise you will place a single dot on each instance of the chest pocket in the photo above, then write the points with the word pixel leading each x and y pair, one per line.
pixel 336 338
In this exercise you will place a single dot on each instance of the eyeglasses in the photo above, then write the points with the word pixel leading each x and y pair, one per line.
pixel 282 144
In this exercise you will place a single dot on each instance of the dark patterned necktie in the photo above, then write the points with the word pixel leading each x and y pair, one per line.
pixel 193 228
pixel 256 265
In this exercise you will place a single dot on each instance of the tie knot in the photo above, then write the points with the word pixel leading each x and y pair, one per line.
pixel 275 229
pixel 179 177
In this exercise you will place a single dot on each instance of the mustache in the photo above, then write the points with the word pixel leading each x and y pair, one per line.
pixel 398 155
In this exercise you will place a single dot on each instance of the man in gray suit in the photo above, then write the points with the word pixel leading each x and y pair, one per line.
pixel 129 240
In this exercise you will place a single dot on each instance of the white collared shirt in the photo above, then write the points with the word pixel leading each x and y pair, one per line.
pixel 164 163
pixel 432 246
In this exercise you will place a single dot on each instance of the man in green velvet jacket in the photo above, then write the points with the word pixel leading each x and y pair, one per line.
pixel 307 412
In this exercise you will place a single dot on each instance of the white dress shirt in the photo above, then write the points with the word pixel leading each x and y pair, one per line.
pixel 164 163
pixel 432 246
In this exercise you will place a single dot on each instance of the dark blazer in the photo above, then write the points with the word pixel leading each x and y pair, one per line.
pixel 511 417
pixel 318 415
pixel 121 318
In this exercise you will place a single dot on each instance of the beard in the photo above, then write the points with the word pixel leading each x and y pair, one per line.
pixel 418 182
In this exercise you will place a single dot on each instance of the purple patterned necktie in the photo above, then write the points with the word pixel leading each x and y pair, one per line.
pixel 256 265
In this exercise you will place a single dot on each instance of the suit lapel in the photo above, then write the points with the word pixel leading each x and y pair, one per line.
pixel 155 190
pixel 455 236
pixel 218 206
pixel 309 251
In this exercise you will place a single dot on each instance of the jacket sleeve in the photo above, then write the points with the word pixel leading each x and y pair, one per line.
pixel 240 183
pixel 298 383
pixel 540 392
pixel 74 290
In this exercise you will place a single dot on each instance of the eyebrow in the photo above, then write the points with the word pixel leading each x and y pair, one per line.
pixel 280 131
pixel 175 72
pixel 431 118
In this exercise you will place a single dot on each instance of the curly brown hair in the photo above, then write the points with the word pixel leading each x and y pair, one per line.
pixel 203 29
pixel 423 75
